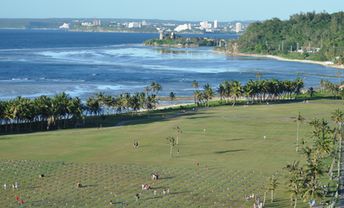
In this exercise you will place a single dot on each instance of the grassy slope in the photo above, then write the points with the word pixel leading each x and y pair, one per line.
pixel 233 141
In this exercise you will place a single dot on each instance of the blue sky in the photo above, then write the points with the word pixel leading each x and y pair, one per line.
pixel 223 10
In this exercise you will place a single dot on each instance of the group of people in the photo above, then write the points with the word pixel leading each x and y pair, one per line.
pixel 145 187
pixel 136 145
pixel 14 186
pixel 257 203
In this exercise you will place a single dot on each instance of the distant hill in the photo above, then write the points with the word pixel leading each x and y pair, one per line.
pixel 313 36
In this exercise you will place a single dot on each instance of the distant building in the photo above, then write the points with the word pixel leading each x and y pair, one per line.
pixel 161 35
pixel 87 24
pixel 238 27
pixel 144 23
pixel 134 25
pixel 97 22
pixel 216 24
pixel 172 35
pixel 65 26
pixel 183 27
pixel 205 25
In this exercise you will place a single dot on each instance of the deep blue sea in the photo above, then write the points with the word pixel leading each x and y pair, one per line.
pixel 33 63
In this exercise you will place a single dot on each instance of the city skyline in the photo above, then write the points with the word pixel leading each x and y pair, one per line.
pixel 191 10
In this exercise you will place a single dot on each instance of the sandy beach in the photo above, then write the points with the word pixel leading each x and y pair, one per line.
pixel 323 63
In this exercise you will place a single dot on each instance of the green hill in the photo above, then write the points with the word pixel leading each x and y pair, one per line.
pixel 313 36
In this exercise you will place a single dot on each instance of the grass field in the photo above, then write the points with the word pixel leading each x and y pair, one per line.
pixel 228 143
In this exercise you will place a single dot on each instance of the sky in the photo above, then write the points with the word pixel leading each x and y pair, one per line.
pixel 192 10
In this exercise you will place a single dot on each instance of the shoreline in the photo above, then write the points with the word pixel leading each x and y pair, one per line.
pixel 323 63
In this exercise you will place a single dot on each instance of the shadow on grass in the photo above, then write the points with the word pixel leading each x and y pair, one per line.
pixel 229 151
pixel 233 140
pixel 166 178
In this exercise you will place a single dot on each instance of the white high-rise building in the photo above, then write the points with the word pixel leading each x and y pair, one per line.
pixel 134 25
pixel 183 27
pixel 65 26
pixel 205 25
pixel 216 24
pixel 144 23
pixel 97 22
pixel 238 27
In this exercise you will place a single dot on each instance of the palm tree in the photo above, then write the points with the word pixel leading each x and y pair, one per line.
pixel 195 85
pixel 221 91
pixel 272 185
pixel 322 134
pixel 134 102
pixel 235 90
pixel 75 109
pixel 172 141
pixel 179 131
pixel 93 106
pixel 311 91
pixel 172 96
pixel 208 93
pixel 299 121
pixel 44 109
pixel 151 102
pixel 156 87
pixel 338 118
pixel 298 85
pixel 295 181
pixel 198 95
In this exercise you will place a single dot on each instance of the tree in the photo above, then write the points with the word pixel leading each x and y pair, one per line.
pixel 235 90
pixel 338 118
pixel 155 87
pixel 208 93
pixel 272 185
pixel 75 109
pixel 295 181
pixel 299 120
pixel 179 132
pixel 195 85
pixel 322 136
pixel 44 111
pixel 172 141
pixel 172 96
pixel 311 92
pixel 93 106
pixel 313 171
pixel 198 96
pixel 221 91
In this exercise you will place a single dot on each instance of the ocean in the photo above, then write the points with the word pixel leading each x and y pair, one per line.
pixel 34 63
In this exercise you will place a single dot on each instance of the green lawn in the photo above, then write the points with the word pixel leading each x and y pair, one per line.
pixel 234 159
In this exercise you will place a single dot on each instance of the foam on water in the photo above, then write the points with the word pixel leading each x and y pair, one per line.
pixel 86 67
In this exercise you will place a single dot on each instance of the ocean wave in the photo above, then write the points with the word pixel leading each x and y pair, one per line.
pixel 82 90
pixel 42 79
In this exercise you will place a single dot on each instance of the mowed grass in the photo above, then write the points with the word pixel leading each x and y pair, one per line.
pixel 228 144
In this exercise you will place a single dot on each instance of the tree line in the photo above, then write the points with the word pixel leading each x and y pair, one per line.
pixel 253 91
pixel 61 111
pixel 45 113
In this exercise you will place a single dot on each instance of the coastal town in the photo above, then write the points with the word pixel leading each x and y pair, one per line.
pixel 129 25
